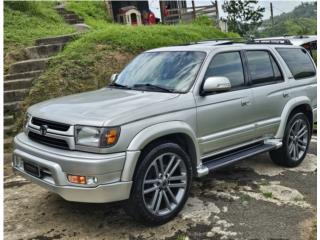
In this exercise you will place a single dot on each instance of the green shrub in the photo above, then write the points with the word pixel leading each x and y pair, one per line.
pixel 203 21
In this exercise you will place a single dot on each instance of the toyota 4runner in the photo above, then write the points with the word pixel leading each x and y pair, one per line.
pixel 172 114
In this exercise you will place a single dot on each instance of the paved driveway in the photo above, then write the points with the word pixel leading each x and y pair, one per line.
pixel 251 200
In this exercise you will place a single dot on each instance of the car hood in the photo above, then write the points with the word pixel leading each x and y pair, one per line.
pixel 108 106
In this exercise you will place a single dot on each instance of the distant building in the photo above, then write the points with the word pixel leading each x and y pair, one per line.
pixel 171 11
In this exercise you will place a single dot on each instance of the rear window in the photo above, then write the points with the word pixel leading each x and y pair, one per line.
pixel 298 61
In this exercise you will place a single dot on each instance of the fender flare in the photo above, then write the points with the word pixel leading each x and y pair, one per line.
pixel 291 104
pixel 156 131
pixel 147 135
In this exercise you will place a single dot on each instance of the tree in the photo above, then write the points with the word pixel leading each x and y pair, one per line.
pixel 244 17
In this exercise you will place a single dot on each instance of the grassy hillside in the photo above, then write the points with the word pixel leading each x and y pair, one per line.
pixel 301 21
pixel 88 62
pixel 93 12
pixel 26 21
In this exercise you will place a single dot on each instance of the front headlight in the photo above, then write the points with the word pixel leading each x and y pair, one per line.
pixel 96 137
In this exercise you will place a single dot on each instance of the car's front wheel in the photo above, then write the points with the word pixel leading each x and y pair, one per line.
pixel 161 184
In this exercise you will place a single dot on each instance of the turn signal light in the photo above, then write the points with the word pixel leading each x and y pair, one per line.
pixel 77 179
pixel 112 136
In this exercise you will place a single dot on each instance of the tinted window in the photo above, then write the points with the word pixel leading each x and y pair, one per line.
pixel 262 67
pixel 298 61
pixel 227 65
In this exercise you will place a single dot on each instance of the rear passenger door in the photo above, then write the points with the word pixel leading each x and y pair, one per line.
pixel 270 91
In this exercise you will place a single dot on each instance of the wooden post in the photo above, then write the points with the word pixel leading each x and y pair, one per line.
pixel 217 13
pixel 271 10
pixel 161 11
pixel 194 10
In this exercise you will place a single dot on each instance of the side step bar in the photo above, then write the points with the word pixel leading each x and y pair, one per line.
pixel 222 160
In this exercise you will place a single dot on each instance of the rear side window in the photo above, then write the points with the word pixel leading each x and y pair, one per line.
pixel 228 65
pixel 298 61
pixel 262 67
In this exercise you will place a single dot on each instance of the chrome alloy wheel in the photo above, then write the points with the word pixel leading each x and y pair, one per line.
pixel 164 184
pixel 298 139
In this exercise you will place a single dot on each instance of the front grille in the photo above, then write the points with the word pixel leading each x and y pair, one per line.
pixel 52 142
pixel 52 125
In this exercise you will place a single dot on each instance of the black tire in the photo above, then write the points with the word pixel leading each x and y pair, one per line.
pixel 282 155
pixel 136 205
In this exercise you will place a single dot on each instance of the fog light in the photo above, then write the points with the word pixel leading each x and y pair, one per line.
pixel 92 180
pixel 82 179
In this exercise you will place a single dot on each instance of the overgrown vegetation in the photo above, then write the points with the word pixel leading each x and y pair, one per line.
pixel 301 21
pixel 244 16
pixel 93 12
pixel 25 21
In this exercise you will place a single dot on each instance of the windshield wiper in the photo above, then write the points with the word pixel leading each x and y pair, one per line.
pixel 114 84
pixel 151 86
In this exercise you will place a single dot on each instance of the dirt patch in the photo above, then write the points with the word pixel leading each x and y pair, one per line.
pixel 233 203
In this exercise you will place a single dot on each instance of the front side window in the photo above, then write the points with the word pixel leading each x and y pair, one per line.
pixel 262 67
pixel 228 65
pixel 298 61
pixel 174 71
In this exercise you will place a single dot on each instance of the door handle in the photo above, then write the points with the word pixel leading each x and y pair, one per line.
pixel 285 94
pixel 245 102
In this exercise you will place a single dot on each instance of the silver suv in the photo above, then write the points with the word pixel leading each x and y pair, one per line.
pixel 172 114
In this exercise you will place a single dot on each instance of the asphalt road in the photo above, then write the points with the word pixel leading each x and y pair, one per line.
pixel 251 200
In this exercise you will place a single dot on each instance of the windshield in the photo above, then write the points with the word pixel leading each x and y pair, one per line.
pixel 170 71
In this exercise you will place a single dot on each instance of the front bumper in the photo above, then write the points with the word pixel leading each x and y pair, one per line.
pixel 57 163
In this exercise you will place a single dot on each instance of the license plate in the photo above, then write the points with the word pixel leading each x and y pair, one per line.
pixel 32 169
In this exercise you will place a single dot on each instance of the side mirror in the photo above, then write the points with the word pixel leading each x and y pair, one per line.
pixel 113 77
pixel 216 84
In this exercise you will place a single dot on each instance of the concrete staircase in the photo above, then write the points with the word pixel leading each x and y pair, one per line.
pixel 69 16
pixel 21 74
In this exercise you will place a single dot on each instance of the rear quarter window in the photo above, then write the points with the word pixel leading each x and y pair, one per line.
pixel 298 61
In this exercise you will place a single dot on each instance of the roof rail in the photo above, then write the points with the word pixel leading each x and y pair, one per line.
pixel 218 41
pixel 270 41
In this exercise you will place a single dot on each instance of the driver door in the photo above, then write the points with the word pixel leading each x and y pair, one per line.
pixel 223 118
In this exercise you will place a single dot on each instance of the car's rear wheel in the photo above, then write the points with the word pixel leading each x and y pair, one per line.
pixel 295 142
pixel 161 185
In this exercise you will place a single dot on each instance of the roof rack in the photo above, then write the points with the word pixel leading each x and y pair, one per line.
pixel 270 41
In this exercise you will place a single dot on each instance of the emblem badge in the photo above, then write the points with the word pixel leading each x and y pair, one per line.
pixel 43 130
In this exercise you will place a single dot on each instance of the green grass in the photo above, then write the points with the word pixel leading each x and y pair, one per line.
pixel 140 38
pixel 26 21
pixel 93 12
pixel 267 194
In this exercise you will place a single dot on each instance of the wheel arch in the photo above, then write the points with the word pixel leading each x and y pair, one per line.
pixel 301 104
pixel 174 131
